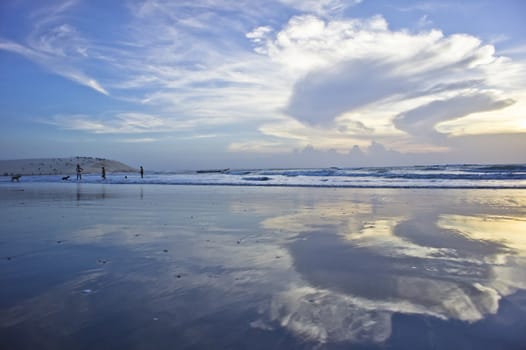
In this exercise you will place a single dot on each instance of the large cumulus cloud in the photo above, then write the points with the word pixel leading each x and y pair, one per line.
pixel 421 79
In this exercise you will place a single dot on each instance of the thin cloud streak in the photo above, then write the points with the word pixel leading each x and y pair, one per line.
pixel 57 68
pixel 55 45
pixel 121 123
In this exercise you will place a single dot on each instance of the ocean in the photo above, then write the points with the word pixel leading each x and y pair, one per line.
pixel 435 176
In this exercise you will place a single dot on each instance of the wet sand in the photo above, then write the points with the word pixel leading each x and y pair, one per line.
pixel 92 266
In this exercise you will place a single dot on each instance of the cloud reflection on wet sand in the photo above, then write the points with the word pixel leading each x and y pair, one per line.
pixel 362 268
pixel 282 267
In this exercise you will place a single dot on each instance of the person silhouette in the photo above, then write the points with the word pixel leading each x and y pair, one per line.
pixel 103 173
pixel 79 172
pixel 142 172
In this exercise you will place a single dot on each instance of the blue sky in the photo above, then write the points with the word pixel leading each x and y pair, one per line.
pixel 217 83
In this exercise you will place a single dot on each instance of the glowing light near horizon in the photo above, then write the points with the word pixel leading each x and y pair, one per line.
pixel 502 230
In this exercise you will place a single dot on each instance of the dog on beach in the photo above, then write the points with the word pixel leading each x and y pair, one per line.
pixel 16 178
pixel 65 178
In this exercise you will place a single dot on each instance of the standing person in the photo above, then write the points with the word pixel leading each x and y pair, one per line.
pixel 79 172
pixel 142 172
pixel 103 173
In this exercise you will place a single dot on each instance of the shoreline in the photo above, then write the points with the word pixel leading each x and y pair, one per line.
pixel 282 182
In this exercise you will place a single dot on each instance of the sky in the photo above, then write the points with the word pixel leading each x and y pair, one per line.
pixel 177 84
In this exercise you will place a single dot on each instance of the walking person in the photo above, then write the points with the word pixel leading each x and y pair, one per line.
pixel 142 172
pixel 79 172
pixel 103 173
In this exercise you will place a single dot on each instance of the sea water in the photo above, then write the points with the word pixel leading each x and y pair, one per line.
pixel 438 176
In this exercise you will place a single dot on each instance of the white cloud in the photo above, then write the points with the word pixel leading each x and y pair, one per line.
pixel 258 34
pixel 424 21
pixel 421 121
pixel 489 122
pixel 350 67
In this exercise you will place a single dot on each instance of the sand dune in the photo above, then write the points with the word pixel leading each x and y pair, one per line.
pixel 56 166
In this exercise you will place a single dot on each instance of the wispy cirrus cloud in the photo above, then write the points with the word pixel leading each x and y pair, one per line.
pixel 321 7
pixel 56 45
pixel 430 6
pixel 120 123
pixel 55 65
pixel 137 140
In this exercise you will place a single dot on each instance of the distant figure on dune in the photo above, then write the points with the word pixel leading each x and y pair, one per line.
pixel 103 173
pixel 142 172
pixel 79 172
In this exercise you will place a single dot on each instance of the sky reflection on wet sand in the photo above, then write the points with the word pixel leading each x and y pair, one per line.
pixel 95 266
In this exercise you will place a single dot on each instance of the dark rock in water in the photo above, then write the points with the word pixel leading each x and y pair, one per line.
pixel 212 171
pixel 257 178
pixel 165 250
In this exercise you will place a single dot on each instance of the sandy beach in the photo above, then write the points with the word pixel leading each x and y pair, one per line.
pixel 96 266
